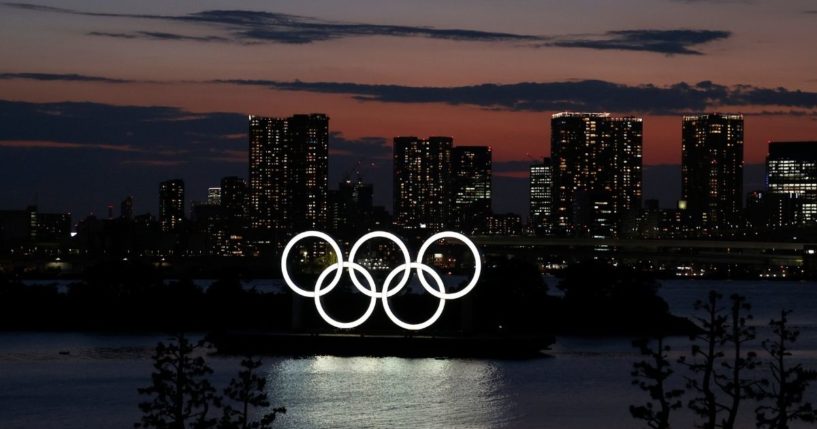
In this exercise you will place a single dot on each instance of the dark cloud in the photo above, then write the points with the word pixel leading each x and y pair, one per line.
pixel 68 77
pixel 251 27
pixel 595 95
pixel 244 26
pixel 274 27
pixel 154 35
pixel 670 42
pixel 582 95
pixel 82 156
pixel 155 130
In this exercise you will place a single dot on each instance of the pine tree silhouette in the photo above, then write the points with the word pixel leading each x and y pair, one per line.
pixel 182 397
pixel 782 396
pixel 706 352
pixel 651 375
pixel 733 382
pixel 248 393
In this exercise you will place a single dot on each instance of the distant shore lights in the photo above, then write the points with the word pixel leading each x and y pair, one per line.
pixel 371 289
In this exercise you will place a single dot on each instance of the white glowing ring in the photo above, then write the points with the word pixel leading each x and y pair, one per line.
pixel 387 293
pixel 477 264
pixel 320 292
pixel 394 239
pixel 288 248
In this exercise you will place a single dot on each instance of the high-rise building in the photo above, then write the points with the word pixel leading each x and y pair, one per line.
pixel 769 210
pixel 234 196
pixel 289 172
pixel 31 224
pixel 471 188
pixel 126 208
pixel 214 196
pixel 350 207
pixel 712 170
pixel 503 224
pixel 15 226
pixel 541 197
pixel 596 171
pixel 791 169
pixel 171 204
pixel 422 185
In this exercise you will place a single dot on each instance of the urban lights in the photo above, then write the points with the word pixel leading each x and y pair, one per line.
pixel 370 288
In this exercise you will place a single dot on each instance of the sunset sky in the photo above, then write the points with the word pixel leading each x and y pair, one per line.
pixel 166 86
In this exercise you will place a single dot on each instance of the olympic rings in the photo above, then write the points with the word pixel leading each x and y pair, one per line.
pixel 385 297
pixel 386 291
pixel 319 293
pixel 288 248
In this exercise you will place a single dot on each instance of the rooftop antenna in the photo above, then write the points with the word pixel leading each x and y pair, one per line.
pixel 533 158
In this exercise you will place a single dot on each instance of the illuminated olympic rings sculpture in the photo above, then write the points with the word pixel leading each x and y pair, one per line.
pixel 371 290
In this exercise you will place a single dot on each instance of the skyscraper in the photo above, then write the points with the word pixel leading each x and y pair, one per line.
pixel 712 170
pixel 422 187
pixel 792 174
pixel 541 197
pixel 234 196
pixel 289 169
pixel 471 188
pixel 126 208
pixel 351 208
pixel 596 171
pixel 171 204
pixel 214 196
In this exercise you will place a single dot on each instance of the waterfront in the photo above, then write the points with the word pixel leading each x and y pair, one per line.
pixel 584 384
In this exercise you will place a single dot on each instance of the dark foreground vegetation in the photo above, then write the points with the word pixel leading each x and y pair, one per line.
pixel 723 375
pixel 180 395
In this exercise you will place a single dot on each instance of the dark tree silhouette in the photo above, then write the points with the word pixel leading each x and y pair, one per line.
pixel 733 381
pixel 182 396
pixel 782 396
pixel 512 294
pixel 248 393
pixel 651 375
pixel 706 352
pixel 600 298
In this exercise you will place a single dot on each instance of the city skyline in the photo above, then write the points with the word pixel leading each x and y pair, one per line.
pixel 590 186
pixel 756 175
pixel 278 141
pixel 190 79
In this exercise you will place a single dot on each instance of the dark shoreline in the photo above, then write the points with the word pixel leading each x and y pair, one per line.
pixel 381 345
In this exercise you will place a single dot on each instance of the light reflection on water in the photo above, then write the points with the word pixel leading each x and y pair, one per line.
pixel 389 392
pixel 586 383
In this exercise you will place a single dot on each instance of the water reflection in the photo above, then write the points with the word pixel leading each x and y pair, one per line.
pixel 389 392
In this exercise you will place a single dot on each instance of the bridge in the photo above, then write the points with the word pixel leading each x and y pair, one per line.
pixel 669 251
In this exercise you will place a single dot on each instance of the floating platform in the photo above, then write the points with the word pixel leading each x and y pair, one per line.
pixel 405 345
